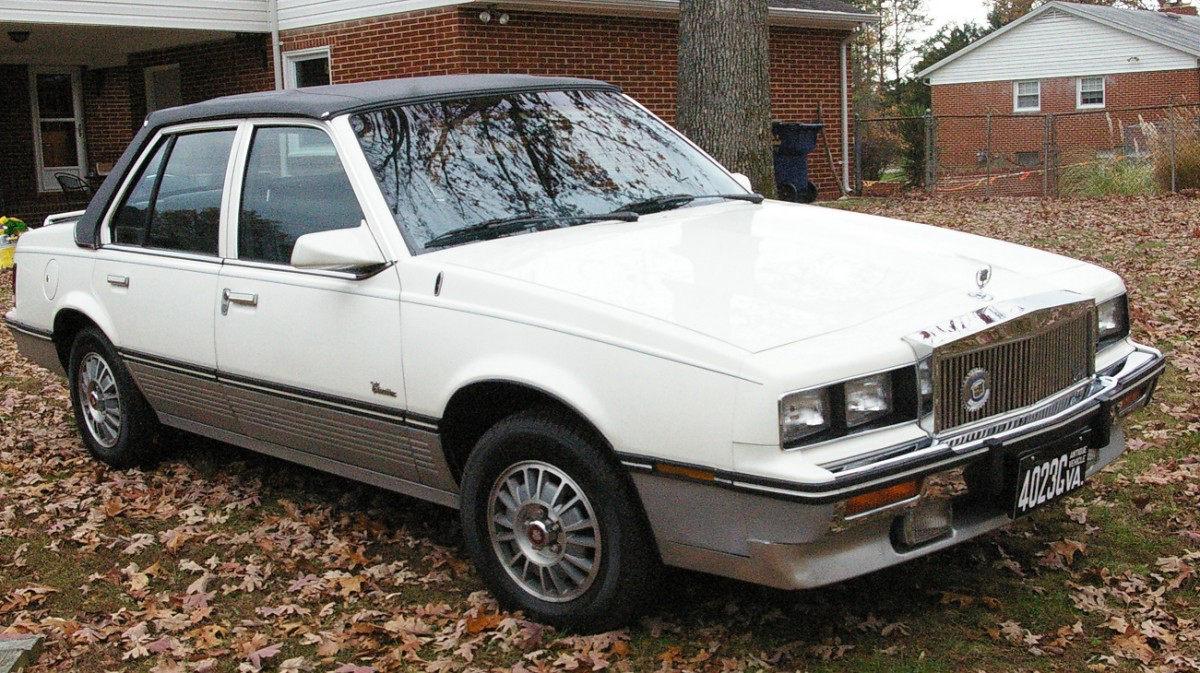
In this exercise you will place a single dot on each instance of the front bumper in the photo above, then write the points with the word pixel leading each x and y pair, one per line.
pixel 796 536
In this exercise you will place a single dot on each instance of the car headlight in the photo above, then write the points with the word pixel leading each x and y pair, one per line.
pixel 868 399
pixel 858 405
pixel 1112 321
pixel 803 414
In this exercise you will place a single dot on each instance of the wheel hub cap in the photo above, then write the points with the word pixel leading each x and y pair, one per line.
pixel 544 531
pixel 100 400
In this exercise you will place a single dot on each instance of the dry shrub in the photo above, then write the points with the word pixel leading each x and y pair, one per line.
pixel 1186 154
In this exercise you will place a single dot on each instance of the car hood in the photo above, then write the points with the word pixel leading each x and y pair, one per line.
pixel 760 276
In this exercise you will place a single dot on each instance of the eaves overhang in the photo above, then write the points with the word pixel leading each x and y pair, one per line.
pixel 670 9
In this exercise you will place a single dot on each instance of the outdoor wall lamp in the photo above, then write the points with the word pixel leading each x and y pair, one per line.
pixel 491 12
pixel 18 36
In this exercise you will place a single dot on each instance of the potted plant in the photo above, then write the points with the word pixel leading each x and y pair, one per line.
pixel 8 241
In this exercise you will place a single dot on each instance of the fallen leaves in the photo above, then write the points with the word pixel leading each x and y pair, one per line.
pixel 220 560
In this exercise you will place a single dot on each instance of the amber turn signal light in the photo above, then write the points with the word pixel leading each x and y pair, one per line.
pixel 883 497
pixel 685 472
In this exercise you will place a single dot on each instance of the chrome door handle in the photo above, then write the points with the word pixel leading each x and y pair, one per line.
pixel 118 281
pixel 229 297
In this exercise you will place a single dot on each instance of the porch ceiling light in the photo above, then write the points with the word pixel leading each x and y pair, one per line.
pixel 18 36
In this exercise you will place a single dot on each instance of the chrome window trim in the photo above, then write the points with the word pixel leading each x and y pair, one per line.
pixel 163 253
pixel 323 273
pixel 148 150
pixel 237 182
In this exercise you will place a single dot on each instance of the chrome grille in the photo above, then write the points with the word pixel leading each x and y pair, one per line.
pixel 1026 359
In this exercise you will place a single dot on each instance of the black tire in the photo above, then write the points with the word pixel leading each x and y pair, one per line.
pixel 566 457
pixel 116 423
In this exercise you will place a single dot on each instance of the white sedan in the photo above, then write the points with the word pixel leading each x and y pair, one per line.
pixel 531 299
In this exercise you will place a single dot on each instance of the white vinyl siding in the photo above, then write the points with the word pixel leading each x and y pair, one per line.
pixel 1057 44
pixel 1027 96
pixel 1089 92
pixel 251 16
pixel 295 14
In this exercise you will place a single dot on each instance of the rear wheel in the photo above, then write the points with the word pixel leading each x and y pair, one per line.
pixel 116 422
pixel 553 526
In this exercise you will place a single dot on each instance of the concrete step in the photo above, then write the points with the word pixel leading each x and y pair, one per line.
pixel 18 652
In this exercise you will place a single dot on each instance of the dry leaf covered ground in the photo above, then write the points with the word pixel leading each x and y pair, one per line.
pixel 224 560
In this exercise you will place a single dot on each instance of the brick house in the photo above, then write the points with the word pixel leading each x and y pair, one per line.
pixel 1084 66
pixel 78 76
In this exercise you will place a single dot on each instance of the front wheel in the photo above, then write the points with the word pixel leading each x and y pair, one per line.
pixel 116 423
pixel 553 526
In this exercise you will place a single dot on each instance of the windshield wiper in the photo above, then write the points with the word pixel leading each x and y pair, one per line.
pixel 500 226
pixel 658 204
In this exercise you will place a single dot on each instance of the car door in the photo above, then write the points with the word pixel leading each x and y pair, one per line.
pixel 157 270
pixel 311 359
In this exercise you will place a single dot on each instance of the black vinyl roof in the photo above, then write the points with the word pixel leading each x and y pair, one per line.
pixel 322 102
pixel 318 102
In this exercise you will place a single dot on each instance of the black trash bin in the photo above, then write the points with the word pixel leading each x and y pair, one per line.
pixel 796 140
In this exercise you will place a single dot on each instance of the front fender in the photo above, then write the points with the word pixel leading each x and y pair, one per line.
pixel 641 403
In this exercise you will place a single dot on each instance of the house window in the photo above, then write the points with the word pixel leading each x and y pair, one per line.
pixel 306 67
pixel 1089 92
pixel 1027 96
pixel 163 89
pixel 57 106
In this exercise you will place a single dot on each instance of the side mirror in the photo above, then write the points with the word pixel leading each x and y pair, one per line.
pixel 339 249
pixel 743 180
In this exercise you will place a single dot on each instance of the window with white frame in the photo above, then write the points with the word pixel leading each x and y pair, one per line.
pixel 306 67
pixel 1027 96
pixel 1089 92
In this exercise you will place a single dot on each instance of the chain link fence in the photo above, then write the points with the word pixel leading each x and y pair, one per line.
pixel 1127 151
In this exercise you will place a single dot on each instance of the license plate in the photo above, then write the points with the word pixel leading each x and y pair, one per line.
pixel 1046 475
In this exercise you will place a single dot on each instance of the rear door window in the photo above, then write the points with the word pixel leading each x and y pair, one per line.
pixel 294 185
pixel 175 203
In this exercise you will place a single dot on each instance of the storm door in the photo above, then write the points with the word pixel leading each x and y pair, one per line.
pixel 57 104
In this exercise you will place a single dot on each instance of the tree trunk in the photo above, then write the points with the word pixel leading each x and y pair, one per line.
pixel 724 102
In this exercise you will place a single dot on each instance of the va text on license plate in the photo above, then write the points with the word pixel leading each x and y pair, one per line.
pixel 1045 476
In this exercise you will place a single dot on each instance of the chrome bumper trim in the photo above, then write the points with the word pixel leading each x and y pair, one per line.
pixel 1140 367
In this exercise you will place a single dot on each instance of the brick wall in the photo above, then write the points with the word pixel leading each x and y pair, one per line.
pixel 1077 136
pixel 638 54
pixel 106 113
pixel 207 70
pixel 403 45
pixel 1058 94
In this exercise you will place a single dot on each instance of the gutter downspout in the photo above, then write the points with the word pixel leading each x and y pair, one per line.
pixel 276 47
pixel 846 111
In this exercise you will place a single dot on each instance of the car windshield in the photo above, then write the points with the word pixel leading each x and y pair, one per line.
pixel 446 165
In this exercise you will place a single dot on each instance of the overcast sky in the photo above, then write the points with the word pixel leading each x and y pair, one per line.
pixel 955 11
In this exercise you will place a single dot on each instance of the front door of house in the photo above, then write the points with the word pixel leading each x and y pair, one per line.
pixel 57 104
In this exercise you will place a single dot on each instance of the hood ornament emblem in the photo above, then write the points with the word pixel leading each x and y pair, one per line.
pixel 983 276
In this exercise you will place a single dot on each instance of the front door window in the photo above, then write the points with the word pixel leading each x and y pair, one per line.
pixel 57 124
